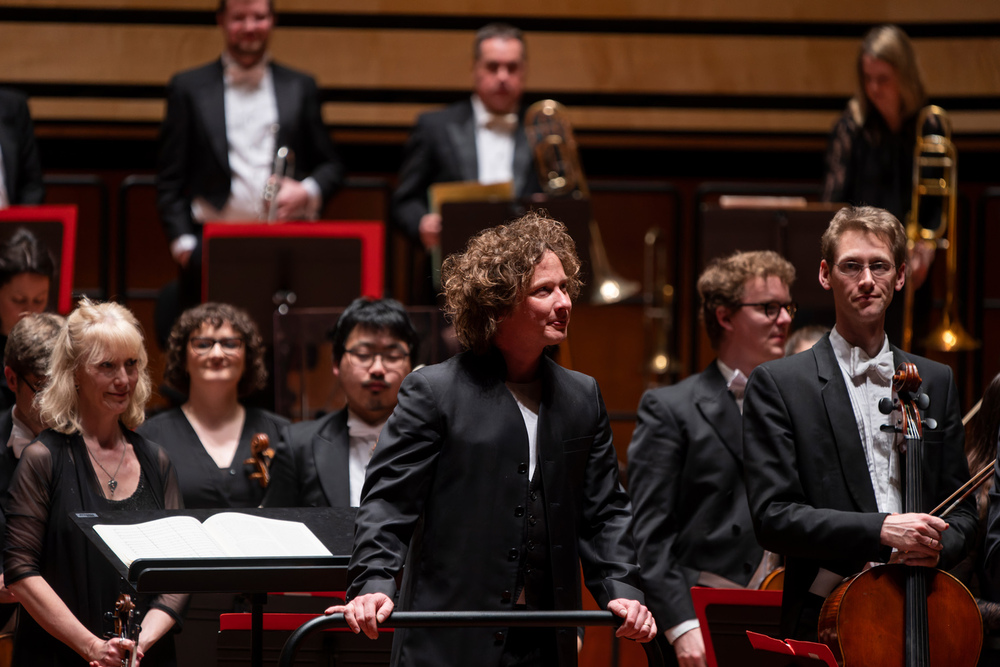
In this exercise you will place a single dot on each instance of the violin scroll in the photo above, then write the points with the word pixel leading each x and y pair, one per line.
pixel 262 454
pixel 126 624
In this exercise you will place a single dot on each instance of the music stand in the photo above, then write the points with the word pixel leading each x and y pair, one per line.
pixel 725 615
pixel 254 576
pixel 260 267
pixel 462 220
pixel 303 356
pixel 793 232
pixel 55 228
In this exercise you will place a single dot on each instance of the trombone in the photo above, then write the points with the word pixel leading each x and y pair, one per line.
pixel 551 137
pixel 935 174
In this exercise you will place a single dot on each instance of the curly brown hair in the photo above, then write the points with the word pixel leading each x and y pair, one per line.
pixel 215 315
pixel 723 280
pixel 483 283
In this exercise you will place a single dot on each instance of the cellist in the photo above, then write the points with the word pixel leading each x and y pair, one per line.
pixel 823 479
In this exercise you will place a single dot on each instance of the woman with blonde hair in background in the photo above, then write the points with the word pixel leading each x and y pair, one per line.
pixel 88 460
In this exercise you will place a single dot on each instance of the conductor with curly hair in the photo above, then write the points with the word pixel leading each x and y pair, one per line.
pixel 496 475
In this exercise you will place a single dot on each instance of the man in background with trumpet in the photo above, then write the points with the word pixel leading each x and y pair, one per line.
pixel 224 124
pixel 480 139
pixel 823 479
pixel 692 523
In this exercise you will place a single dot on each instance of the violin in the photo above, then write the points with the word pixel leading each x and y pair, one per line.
pixel 261 456
pixel 901 615
pixel 126 623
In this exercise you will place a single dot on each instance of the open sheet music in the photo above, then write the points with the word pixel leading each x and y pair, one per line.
pixel 223 535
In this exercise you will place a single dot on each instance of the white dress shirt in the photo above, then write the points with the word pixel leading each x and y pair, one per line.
pixel 868 381
pixel 251 111
pixel 528 396
pixel 362 437
pixel 494 144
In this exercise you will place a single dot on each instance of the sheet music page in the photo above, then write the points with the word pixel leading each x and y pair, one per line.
pixel 173 537
pixel 254 536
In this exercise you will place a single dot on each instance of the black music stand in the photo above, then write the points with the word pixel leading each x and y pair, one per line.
pixel 725 615
pixel 462 220
pixel 303 355
pixel 255 577
pixel 793 233
pixel 307 265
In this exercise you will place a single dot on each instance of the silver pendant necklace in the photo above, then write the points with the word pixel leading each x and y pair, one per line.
pixel 112 482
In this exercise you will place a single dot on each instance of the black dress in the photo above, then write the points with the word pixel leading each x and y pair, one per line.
pixel 204 484
pixel 868 164
pixel 54 477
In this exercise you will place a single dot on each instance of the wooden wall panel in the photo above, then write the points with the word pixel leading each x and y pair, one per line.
pixel 573 63
pixel 855 11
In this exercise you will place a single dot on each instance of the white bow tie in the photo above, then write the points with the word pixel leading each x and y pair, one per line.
pixel 245 77
pixel 501 122
pixel 879 369
pixel 738 384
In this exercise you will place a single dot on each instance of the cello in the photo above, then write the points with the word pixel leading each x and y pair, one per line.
pixel 901 615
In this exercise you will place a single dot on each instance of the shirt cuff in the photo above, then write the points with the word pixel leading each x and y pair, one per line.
pixel 685 626
pixel 182 244
pixel 315 197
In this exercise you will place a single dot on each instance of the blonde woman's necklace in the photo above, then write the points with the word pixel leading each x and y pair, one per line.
pixel 112 482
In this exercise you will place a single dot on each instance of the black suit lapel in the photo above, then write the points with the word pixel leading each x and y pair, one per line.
pixel 8 146
pixel 719 409
pixel 288 100
pixel 844 426
pixel 212 106
pixel 462 136
pixel 331 453
pixel 522 160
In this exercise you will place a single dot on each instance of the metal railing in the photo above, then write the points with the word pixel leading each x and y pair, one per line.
pixel 469 619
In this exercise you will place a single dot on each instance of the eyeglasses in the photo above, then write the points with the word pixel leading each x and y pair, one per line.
pixel 230 346
pixel 33 388
pixel 773 308
pixel 363 359
pixel 854 269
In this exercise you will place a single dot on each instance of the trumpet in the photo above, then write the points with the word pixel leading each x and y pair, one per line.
pixel 935 174
pixel 551 137
pixel 284 165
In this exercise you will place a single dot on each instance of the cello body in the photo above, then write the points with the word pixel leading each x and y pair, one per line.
pixel 863 620
pixel 901 615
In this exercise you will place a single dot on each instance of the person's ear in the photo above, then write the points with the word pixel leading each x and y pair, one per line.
pixel 11 376
pixel 724 316
pixel 824 274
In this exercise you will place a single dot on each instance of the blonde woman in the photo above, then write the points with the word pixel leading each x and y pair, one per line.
pixel 870 157
pixel 89 460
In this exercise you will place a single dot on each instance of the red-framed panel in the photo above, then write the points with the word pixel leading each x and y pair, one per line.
pixel 371 233
pixel 705 597
pixel 66 216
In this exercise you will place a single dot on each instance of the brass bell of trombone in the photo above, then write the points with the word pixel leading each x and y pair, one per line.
pixel 935 174
pixel 558 161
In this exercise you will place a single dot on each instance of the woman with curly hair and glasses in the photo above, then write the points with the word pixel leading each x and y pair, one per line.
pixel 215 356
pixel 496 475
pixel 88 460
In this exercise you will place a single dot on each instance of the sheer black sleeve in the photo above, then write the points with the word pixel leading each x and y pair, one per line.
pixel 173 603
pixel 28 506
pixel 839 158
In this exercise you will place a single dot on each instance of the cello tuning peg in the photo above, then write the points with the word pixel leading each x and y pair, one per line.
pixel 889 428
pixel 886 406
pixel 923 401
pixel 930 423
